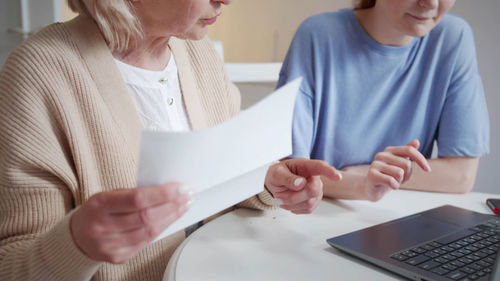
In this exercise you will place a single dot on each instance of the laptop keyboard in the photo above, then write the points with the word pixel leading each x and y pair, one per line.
pixel 465 255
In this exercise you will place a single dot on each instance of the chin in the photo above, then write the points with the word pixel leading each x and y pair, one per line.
pixel 194 37
pixel 419 31
pixel 196 33
pixel 197 37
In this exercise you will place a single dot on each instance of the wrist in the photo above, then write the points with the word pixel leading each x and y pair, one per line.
pixel 73 230
pixel 64 257
pixel 360 190
pixel 352 186
pixel 268 191
pixel 267 198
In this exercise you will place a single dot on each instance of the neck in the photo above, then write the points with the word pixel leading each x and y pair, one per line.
pixel 378 27
pixel 149 53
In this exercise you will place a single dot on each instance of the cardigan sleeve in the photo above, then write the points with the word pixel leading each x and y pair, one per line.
pixel 37 180
pixel 261 201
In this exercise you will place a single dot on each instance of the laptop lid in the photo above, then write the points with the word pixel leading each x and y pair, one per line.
pixel 377 244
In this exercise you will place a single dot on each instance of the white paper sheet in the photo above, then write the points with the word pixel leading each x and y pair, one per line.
pixel 225 164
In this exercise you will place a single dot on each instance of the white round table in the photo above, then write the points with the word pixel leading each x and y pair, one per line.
pixel 278 245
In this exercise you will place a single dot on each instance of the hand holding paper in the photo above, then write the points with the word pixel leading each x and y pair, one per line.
pixel 113 226
pixel 225 164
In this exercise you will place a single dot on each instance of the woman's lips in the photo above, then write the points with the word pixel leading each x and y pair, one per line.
pixel 211 20
pixel 420 18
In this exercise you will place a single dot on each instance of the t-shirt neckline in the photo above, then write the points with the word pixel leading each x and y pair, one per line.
pixel 374 45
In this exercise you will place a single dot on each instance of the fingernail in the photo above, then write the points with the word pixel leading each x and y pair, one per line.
pixel 277 202
pixel 184 208
pixel 298 181
pixel 429 168
pixel 395 185
pixel 189 202
pixel 339 174
pixel 185 190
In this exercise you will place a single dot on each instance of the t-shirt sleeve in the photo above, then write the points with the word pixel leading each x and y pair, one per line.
pixel 302 127
pixel 299 62
pixel 464 125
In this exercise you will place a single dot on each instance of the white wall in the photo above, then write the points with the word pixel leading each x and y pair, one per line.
pixel 20 17
pixel 43 12
pixel 8 14
pixel 9 11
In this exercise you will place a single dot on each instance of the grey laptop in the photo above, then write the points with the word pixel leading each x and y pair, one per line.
pixel 444 243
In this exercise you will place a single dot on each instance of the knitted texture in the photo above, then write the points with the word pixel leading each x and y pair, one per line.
pixel 68 130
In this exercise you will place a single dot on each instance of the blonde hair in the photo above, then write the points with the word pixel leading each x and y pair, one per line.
pixel 364 4
pixel 115 18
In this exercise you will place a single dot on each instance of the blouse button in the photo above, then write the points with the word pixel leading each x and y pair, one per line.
pixel 170 101
pixel 163 80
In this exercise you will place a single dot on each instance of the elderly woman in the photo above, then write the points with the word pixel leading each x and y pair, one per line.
pixel 74 99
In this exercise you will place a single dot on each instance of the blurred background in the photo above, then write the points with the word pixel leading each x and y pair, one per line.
pixel 252 37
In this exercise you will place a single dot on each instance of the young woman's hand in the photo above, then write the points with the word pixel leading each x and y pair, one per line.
pixel 391 168
pixel 296 183
pixel 113 226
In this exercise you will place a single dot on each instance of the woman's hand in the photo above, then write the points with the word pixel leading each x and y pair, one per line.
pixel 391 168
pixel 113 226
pixel 297 183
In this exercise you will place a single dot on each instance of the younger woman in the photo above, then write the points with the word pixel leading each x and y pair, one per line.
pixel 382 83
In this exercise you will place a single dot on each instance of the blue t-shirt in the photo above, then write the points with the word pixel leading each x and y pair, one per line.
pixel 359 96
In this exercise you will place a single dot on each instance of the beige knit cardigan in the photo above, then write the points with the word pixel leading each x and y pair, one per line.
pixel 68 130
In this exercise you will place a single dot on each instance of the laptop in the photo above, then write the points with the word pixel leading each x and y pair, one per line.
pixel 444 243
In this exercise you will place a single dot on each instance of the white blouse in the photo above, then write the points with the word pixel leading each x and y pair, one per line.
pixel 157 96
